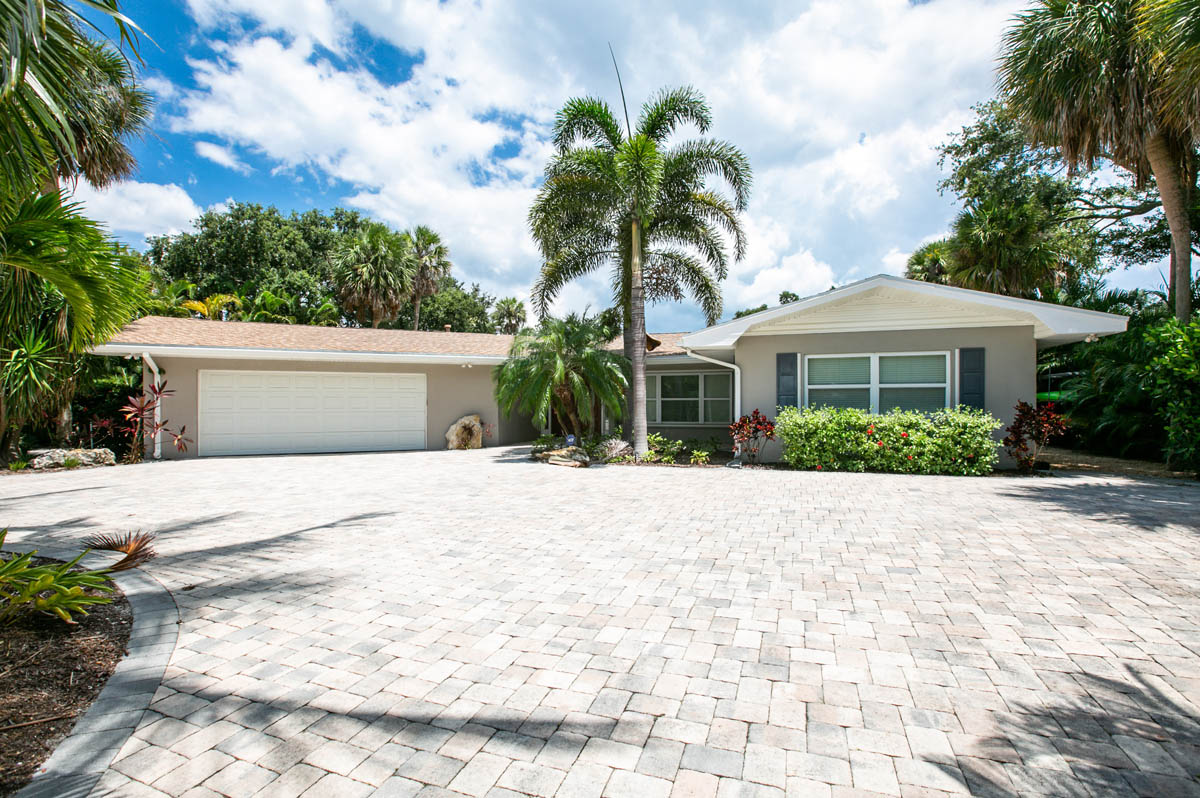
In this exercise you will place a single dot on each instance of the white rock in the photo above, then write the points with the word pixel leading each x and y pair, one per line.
pixel 466 433
pixel 55 458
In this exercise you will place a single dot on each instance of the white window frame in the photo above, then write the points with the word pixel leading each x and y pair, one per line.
pixel 874 385
pixel 658 399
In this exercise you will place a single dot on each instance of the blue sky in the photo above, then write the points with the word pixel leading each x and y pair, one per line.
pixel 428 112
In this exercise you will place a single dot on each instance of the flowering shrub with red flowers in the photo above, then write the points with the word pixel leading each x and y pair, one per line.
pixel 750 433
pixel 957 441
pixel 1031 431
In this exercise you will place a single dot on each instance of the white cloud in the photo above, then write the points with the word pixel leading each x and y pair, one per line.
pixel 137 210
pixel 222 156
pixel 838 106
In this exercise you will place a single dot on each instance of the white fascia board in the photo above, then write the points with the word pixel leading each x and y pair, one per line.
pixel 320 355
pixel 1060 320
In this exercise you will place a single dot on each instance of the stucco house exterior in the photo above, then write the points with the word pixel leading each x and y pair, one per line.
pixel 881 343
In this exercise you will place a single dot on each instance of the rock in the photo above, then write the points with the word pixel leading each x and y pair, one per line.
pixel 56 458
pixel 466 433
pixel 570 456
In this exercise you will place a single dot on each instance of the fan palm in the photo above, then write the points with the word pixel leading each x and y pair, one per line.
pixel 214 306
pixel 431 259
pixel 374 271
pixel 1083 79
pixel 1172 29
pixel 509 315
pixel 562 366
pixel 628 200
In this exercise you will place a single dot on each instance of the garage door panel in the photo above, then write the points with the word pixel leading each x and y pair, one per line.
pixel 293 412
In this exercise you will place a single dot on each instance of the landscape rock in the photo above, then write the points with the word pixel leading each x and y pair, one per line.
pixel 570 456
pixel 466 433
pixel 55 458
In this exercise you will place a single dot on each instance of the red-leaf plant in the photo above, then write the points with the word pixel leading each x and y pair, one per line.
pixel 1031 431
pixel 750 433
pixel 141 426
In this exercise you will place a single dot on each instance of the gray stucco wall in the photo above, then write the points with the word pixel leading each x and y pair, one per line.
pixel 451 392
pixel 1010 361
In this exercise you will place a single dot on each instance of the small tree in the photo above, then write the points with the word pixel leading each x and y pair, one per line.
pixel 1031 431
pixel 141 425
pixel 750 433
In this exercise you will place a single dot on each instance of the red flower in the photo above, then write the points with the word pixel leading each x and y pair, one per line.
pixel 879 443
pixel 818 468
pixel 903 434
pixel 910 457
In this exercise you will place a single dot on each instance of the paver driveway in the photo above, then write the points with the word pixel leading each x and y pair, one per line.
pixel 488 626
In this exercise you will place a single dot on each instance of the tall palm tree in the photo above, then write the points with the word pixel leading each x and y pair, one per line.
pixel 214 307
pixel 509 315
pixel 1172 29
pixel 629 200
pixel 374 271
pixel 562 366
pixel 1083 79
pixel 431 259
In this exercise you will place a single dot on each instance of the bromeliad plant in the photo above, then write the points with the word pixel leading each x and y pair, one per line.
pixel 141 425
pixel 1032 430
pixel 750 433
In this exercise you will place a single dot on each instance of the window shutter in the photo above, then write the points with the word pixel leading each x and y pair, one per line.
pixel 787 384
pixel 971 378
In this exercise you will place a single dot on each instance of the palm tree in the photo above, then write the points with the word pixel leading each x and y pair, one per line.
pixel 1172 29
pixel 432 260
pixel 214 306
pixel 562 366
pixel 166 299
pixel 374 271
pixel 1083 79
pixel 41 115
pixel 626 199
pixel 509 315
pixel 272 308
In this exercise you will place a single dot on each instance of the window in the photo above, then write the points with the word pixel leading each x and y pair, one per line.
pixel 879 383
pixel 684 399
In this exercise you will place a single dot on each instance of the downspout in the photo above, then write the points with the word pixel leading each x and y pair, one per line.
pixel 149 361
pixel 737 379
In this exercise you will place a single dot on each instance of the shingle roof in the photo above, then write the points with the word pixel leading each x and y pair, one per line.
pixel 166 331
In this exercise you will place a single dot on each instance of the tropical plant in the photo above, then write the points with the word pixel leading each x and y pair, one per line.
pixel 750 434
pixel 1032 430
pixel 952 441
pixel 51 588
pixel 465 309
pixel 431 264
pixel 47 117
pixel 374 271
pixel 627 199
pixel 215 307
pixel 509 315
pixel 1175 375
pixel 167 298
pixel 699 457
pixel 1084 80
pixel 136 546
pixel 269 307
pixel 143 423
pixel 563 366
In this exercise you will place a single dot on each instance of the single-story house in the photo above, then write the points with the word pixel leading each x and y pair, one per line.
pixel 881 343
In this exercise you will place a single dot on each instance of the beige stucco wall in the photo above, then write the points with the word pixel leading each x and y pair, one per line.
pixel 1009 361
pixel 452 391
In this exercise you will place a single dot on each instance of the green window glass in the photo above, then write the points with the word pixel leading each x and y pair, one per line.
pixel 718 398
pixel 651 399
pixel 680 386
pixel 680 411
pixel 839 371
pixel 900 369
pixel 840 397
pixel 925 400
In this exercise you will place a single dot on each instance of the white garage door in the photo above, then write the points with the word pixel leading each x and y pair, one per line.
pixel 281 412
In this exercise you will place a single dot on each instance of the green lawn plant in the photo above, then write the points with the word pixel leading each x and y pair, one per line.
pixel 957 441
pixel 53 588
pixel 1175 375
pixel 700 457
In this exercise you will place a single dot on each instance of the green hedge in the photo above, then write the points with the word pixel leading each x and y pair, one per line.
pixel 955 441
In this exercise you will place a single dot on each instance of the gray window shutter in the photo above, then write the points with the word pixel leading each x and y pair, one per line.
pixel 787 383
pixel 971 378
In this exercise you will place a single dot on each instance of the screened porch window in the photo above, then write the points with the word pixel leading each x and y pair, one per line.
pixel 879 382
pixel 682 399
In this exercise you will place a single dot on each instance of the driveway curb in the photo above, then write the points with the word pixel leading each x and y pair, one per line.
pixel 82 757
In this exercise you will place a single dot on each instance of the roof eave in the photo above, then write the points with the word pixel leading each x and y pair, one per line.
pixel 315 355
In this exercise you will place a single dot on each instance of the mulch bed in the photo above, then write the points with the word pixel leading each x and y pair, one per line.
pixel 1071 460
pixel 49 669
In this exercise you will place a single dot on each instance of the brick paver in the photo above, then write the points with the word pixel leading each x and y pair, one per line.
pixel 469 623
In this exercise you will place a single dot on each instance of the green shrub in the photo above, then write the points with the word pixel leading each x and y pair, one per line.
pixel 71 462
pixel 18 465
pixel 54 589
pixel 700 457
pixel 904 442
pixel 1176 387
pixel 662 449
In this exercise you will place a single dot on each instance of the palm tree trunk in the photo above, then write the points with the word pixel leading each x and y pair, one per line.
pixel 637 317
pixel 627 340
pixel 1168 168
pixel 417 312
